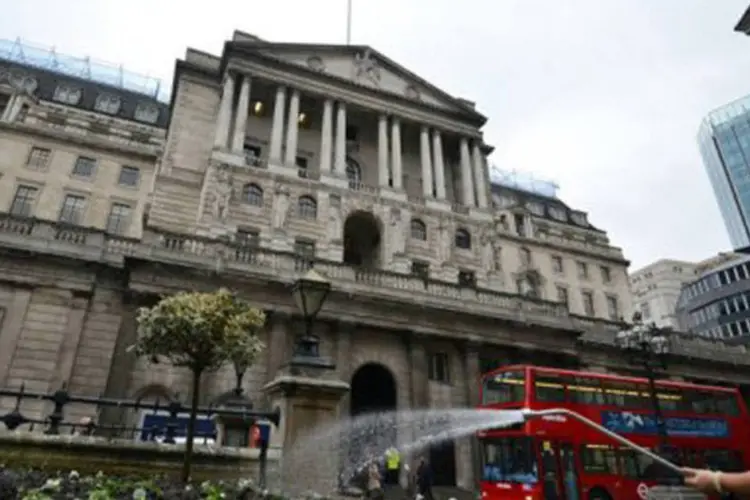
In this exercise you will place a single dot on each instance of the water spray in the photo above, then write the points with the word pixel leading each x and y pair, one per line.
pixel 527 414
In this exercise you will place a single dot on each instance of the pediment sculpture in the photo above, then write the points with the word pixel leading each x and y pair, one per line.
pixel 365 66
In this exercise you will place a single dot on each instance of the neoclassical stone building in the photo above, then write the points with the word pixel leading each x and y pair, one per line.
pixel 272 158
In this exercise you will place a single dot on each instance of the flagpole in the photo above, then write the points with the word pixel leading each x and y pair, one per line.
pixel 348 22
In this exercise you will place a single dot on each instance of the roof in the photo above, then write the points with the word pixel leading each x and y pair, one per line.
pixel 743 25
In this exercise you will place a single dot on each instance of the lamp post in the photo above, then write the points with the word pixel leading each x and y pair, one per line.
pixel 310 293
pixel 647 346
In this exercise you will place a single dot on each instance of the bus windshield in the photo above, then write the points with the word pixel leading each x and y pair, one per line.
pixel 509 459
pixel 503 387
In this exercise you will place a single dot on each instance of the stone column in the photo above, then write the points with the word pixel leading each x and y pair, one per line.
pixel 426 163
pixel 292 130
pixel 467 186
pixel 225 113
pixel 383 151
pixel 339 164
pixel 437 155
pixel 472 374
pixel 479 181
pixel 277 130
pixel 240 116
pixel 326 137
pixel 396 168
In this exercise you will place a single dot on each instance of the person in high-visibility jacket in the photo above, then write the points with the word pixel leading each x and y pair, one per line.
pixel 392 465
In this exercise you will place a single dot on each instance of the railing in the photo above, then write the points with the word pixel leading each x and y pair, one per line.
pixel 55 422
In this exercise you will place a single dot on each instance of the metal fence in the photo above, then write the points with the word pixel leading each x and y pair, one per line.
pixel 108 421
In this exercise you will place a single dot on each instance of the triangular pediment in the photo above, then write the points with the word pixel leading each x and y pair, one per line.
pixel 365 66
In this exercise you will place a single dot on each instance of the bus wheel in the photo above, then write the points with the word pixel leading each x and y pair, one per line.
pixel 599 494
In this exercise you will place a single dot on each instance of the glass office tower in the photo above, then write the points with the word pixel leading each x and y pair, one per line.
pixel 724 141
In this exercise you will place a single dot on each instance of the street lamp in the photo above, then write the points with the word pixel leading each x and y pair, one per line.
pixel 310 293
pixel 647 346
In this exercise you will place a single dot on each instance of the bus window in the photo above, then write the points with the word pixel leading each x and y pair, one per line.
pixel 599 459
pixel 509 460
pixel 727 404
pixel 702 402
pixel 622 394
pixel 693 458
pixel 638 466
pixel 670 400
pixel 586 391
pixel 724 460
pixel 549 388
pixel 504 387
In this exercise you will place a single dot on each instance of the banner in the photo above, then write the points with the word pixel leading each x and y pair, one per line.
pixel 625 422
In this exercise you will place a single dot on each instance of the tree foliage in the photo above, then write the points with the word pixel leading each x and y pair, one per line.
pixel 200 331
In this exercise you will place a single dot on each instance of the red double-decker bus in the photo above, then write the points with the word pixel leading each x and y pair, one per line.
pixel 558 458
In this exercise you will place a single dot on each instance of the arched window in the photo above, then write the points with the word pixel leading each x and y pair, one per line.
pixel 252 194
pixel 418 230
pixel 307 207
pixel 463 239
pixel 353 173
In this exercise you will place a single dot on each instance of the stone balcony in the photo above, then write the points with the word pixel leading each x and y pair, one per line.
pixel 222 257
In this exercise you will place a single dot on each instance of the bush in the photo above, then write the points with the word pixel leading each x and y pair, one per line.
pixel 38 485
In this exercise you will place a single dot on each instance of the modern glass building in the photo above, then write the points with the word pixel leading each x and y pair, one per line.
pixel 724 141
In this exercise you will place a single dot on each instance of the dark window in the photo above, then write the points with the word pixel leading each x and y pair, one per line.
pixel 84 166
pixel 119 218
pixel 301 163
pixel 129 176
pixel 39 158
pixel 599 459
pixel 351 133
pixel 73 209
pixel 606 274
pixel 463 239
pixel 353 173
pixel 504 387
pixel 247 238
pixel 420 269
pixel 4 100
pixel 305 252
pixel 252 154
pixel 252 194
pixel 418 230
pixel 587 391
pixel 467 279
pixel 549 388
pixel 509 460
pixel 623 394
pixel 307 207
pixel 439 367
pixel 23 201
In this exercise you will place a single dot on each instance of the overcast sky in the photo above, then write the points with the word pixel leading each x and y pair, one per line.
pixel 602 96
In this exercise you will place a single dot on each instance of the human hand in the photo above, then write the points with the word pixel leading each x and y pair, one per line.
pixel 701 479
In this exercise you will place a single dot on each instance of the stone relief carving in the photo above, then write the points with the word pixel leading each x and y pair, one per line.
pixel 445 241
pixel 412 92
pixel 19 80
pixel 280 205
pixel 366 67
pixel 335 229
pixel 223 190
pixel 315 63
pixel 397 238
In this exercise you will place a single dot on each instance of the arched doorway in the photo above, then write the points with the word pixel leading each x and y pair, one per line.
pixel 362 240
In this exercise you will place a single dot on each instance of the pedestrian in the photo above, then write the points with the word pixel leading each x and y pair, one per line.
pixel 424 480
pixel 374 485
pixel 392 466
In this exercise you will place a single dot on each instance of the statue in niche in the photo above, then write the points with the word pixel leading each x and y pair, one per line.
pixel 335 230
pixel 501 223
pixel 497 254
pixel 397 237
pixel 280 206
pixel 365 66
pixel 445 242
pixel 487 249
pixel 223 189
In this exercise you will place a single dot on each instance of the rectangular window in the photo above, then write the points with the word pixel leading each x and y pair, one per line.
pixel 509 460
pixel 583 270
pixel 84 166
pixel 119 218
pixel 420 269
pixel 24 201
pixel 247 238
pixel 599 459
pixel 73 209
pixel 305 252
pixel 129 176
pixel 467 279
pixel 39 158
pixel 557 264
pixel 562 295
pixel 606 274
pixel 586 391
pixel 613 308
pixel 302 164
pixel 646 310
pixel 504 387
pixel 4 101
pixel 439 367
pixel 588 303
pixel 549 388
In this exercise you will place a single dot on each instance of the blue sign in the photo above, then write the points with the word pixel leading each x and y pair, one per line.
pixel 625 422
pixel 154 427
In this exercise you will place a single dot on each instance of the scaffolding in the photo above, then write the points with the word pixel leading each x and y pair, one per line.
pixel 47 58
pixel 523 181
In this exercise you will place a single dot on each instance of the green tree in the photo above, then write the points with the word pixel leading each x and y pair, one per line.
pixel 200 332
